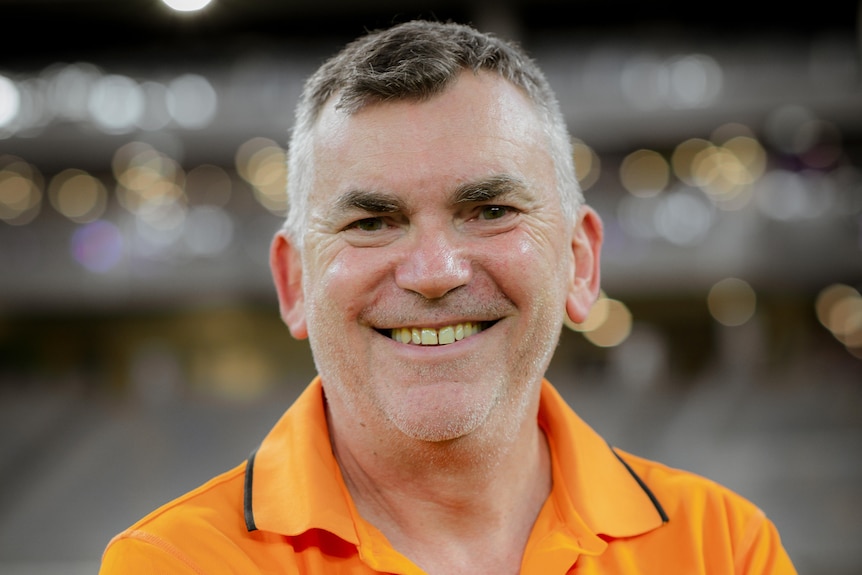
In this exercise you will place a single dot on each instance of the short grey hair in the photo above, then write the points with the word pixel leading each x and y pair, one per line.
pixel 414 61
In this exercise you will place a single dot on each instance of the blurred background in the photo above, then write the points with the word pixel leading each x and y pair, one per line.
pixel 141 179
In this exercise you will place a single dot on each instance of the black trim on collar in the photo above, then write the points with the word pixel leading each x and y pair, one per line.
pixel 646 489
pixel 246 500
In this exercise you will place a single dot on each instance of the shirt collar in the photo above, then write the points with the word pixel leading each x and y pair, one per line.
pixel 293 482
pixel 595 482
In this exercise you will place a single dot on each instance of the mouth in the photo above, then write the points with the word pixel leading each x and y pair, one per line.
pixel 436 336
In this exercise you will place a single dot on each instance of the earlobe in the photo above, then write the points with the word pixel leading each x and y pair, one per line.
pixel 286 266
pixel 586 249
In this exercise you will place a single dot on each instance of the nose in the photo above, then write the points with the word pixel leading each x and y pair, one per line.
pixel 434 264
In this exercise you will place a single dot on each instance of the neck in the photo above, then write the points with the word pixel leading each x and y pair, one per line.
pixel 458 495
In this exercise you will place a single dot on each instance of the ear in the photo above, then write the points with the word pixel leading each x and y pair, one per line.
pixel 586 249
pixel 285 262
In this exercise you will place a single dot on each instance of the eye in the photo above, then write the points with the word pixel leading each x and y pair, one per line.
pixel 367 225
pixel 493 212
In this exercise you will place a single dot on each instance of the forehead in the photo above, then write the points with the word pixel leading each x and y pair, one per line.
pixel 481 125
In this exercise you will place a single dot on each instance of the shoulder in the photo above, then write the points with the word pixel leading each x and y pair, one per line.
pixel 181 531
pixel 718 519
pixel 217 504
pixel 682 491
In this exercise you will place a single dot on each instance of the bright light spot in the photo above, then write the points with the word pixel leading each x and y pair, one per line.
pixel 608 324
pixel 69 89
pixel 725 173
pixel 845 320
pixel 683 218
pixel 20 194
pixel 683 157
pixel 33 110
pixel 98 246
pixel 192 101
pixel 839 309
pixel 263 164
pixel 186 5
pixel 597 316
pixel 644 173
pixel 164 215
pixel 695 81
pixel 645 82
pixel 10 101
pixel 750 154
pixel 829 297
pixel 209 230
pixel 732 302
pixel 588 166
pixel 783 195
pixel 147 179
pixel 78 195
pixel 116 104
pixel 616 327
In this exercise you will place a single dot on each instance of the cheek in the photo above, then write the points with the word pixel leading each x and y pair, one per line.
pixel 343 286
pixel 528 266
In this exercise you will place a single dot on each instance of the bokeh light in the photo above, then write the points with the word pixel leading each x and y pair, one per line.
pixel 147 180
pixel 77 195
pixel 20 191
pixel 644 173
pixel 689 81
pixel 839 309
pixel 696 81
pixel 608 324
pixel 116 104
pixel 192 101
pixel 725 169
pixel 683 218
pixel 187 5
pixel 97 246
pixel 588 166
pixel 263 163
pixel 732 302
pixel 10 101
pixel 68 89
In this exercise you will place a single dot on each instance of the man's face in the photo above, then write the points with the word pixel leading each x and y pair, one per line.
pixel 437 262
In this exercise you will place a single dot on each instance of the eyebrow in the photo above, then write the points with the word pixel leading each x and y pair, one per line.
pixel 488 189
pixel 374 202
pixel 368 201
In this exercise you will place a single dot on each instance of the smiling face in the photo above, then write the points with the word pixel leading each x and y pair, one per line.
pixel 437 264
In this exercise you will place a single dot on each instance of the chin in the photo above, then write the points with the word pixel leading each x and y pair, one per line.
pixel 440 417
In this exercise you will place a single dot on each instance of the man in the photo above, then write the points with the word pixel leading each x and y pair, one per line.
pixel 435 240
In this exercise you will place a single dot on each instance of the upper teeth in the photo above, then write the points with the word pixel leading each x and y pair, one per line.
pixel 431 336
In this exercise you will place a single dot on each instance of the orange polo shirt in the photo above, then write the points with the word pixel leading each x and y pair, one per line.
pixel 287 510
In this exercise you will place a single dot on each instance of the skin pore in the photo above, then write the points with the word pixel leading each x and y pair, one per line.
pixel 425 216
